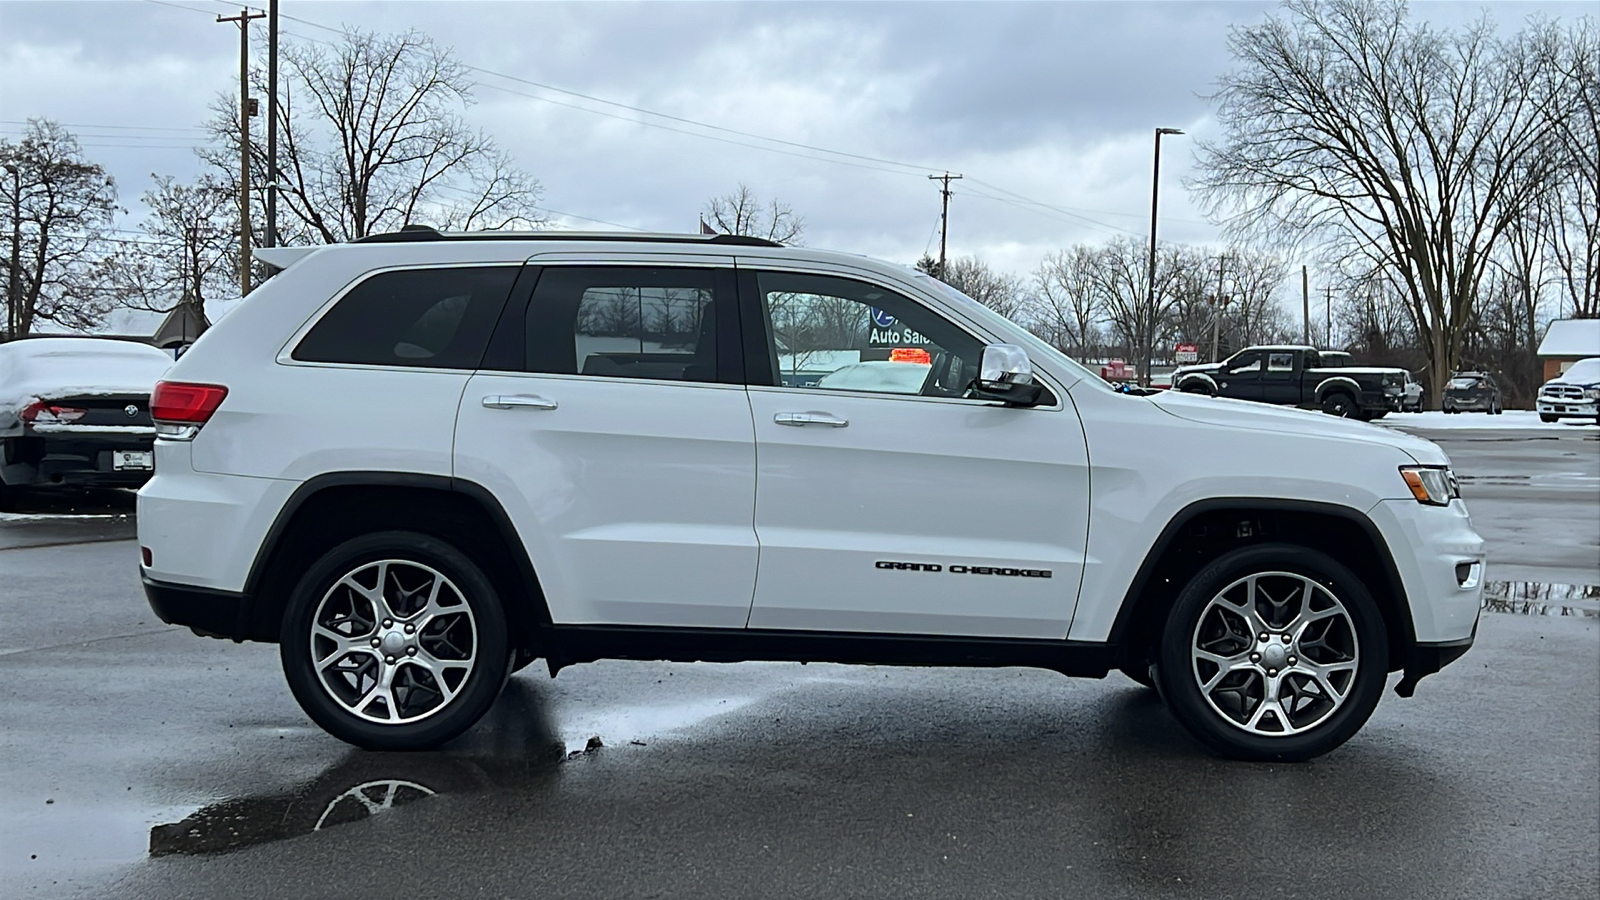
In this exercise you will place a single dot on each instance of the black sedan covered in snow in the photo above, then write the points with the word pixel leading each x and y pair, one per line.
pixel 75 412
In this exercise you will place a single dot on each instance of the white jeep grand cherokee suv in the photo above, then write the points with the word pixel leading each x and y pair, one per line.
pixel 420 461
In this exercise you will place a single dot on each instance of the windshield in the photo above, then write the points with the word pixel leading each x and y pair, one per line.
pixel 1584 371
pixel 1036 348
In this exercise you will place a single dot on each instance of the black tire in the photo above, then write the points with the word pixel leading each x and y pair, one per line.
pixel 1339 403
pixel 1548 419
pixel 470 620
pixel 1359 633
pixel 1377 414
pixel 1497 410
pixel 1196 386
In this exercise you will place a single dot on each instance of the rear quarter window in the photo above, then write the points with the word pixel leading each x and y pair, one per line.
pixel 424 318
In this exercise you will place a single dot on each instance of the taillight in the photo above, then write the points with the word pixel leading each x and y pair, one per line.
pixel 42 413
pixel 180 403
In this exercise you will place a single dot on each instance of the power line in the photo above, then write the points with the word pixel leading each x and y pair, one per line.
pixel 838 157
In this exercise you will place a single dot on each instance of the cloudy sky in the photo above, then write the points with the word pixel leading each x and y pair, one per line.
pixel 1047 109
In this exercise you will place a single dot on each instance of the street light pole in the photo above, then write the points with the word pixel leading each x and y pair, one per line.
pixel 14 288
pixel 1147 351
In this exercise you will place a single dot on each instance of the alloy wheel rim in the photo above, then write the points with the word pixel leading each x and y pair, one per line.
pixel 1275 654
pixel 393 641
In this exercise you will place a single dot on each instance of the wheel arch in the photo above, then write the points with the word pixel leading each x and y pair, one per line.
pixel 1203 530
pixel 1338 383
pixel 1208 383
pixel 331 508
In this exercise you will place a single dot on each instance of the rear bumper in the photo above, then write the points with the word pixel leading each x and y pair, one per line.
pixel 71 460
pixel 208 612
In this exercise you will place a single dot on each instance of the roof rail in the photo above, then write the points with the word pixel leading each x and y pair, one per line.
pixel 410 233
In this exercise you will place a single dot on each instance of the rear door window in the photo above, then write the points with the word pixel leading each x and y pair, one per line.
pixel 425 318
pixel 650 322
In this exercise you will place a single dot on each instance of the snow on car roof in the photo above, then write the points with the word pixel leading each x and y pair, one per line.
pixel 1571 337
pixel 42 368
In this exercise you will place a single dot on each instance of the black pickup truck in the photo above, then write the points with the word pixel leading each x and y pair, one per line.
pixel 1298 376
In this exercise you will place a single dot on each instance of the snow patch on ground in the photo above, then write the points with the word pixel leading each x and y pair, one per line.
pixel 1511 419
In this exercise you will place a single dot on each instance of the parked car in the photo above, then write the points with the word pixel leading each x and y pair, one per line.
pixel 1411 399
pixel 397 460
pixel 1472 392
pixel 1574 394
pixel 1298 376
pixel 75 412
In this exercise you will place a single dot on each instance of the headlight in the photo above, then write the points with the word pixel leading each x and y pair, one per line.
pixel 1433 485
pixel 1592 393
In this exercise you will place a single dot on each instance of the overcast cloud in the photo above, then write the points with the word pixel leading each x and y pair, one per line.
pixel 1054 102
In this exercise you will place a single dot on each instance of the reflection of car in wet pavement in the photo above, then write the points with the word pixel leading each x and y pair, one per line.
pixel 75 412
pixel 323 484
pixel 515 746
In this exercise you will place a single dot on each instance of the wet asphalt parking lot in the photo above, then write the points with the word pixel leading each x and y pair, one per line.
pixel 137 760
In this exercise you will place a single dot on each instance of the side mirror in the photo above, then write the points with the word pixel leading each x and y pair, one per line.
pixel 1006 375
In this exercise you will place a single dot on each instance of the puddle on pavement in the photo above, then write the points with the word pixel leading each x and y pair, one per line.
pixel 513 745
pixel 516 744
pixel 1541 598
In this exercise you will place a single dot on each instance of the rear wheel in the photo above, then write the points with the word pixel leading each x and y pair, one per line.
pixel 394 641
pixel 1273 652
pixel 1339 403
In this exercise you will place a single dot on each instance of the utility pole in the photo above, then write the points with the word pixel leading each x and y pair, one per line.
pixel 14 289
pixel 243 18
pixel 1305 304
pixel 944 213
pixel 272 124
pixel 1327 307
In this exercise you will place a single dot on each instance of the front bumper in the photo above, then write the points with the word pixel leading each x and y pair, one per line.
pixel 1442 567
pixel 1583 408
pixel 212 613
pixel 1423 660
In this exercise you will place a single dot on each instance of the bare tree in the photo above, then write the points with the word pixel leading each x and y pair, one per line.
pixel 1346 124
pixel 54 217
pixel 1138 318
pixel 741 211
pixel 1069 307
pixel 189 249
pixel 972 276
pixel 1572 209
pixel 371 138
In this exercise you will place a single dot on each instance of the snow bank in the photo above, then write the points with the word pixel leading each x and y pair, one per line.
pixel 1511 419
pixel 46 368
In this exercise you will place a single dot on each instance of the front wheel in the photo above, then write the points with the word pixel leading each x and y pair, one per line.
pixel 1273 652
pixel 1548 419
pixel 395 641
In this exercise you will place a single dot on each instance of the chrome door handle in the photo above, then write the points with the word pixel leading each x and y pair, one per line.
pixel 517 401
pixel 810 418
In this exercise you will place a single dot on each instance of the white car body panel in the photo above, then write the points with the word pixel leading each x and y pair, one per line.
pixel 1228 449
pixel 633 497
pixel 205 529
pixel 917 480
